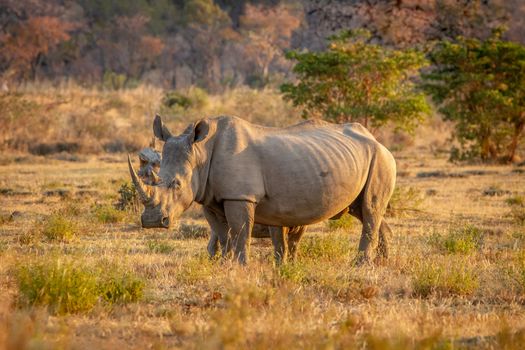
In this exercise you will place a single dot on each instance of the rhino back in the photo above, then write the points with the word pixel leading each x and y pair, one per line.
pixel 297 175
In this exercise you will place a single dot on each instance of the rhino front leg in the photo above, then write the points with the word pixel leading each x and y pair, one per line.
pixel 219 233
pixel 239 215
pixel 280 243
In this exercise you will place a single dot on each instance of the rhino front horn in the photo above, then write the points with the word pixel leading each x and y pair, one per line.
pixel 145 192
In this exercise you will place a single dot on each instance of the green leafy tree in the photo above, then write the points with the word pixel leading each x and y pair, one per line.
pixel 355 80
pixel 480 85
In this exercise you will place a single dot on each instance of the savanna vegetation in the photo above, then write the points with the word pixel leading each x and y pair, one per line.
pixel 434 80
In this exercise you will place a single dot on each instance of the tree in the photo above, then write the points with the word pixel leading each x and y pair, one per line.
pixel 128 48
pixel 208 29
pixel 480 85
pixel 29 41
pixel 267 32
pixel 354 80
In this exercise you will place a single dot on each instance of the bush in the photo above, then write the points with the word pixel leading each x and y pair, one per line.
pixel 63 286
pixel 59 228
pixel 108 214
pixel 451 279
pixel 67 286
pixel 194 97
pixel 461 240
pixel 128 197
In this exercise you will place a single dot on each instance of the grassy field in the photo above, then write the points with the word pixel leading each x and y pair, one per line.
pixel 76 273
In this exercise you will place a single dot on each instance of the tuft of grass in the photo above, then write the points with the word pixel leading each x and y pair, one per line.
pixel 331 247
pixel 460 240
pixel 121 288
pixel 61 285
pixel 432 278
pixel 197 268
pixel 404 200
pixel 345 222
pixel 516 271
pixel 516 200
pixel 107 214
pixel 160 247
pixel 67 286
pixel 294 272
pixel 192 231
pixel 517 209
pixel 59 228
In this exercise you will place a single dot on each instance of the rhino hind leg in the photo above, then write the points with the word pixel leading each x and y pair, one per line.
pixel 294 237
pixel 374 200
pixel 384 230
pixel 279 237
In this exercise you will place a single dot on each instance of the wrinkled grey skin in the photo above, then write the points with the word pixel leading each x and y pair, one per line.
pixel 243 173
pixel 285 240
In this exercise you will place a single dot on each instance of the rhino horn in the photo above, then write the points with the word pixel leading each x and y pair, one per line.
pixel 145 192
pixel 155 177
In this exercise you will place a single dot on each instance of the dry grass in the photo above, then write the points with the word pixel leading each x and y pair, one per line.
pixel 456 277
pixel 69 120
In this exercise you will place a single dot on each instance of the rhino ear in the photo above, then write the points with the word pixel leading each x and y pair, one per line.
pixel 200 131
pixel 160 130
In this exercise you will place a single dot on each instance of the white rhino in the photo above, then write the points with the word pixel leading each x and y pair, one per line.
pixel 283 177
pixel 285 240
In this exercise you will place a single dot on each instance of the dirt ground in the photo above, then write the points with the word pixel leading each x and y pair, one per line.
pixel 438 290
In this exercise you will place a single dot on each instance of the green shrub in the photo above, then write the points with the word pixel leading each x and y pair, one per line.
pixel 451 279
pixel 345 222
pixel 108 214
pixel 161 247
pixel 128 197
pixel 121 288
pixel 61 285
pixel 516 200
pixel 403 201
pixel 194 97
pixel 59 228
pixel 462 240
pixel 67 286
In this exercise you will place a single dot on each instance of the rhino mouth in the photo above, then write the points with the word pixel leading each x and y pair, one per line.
pixel 154 219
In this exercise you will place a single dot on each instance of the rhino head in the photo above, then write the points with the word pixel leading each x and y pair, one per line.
pixel 180 177
pixel 149 164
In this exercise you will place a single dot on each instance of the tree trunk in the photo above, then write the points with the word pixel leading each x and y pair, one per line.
pixel 518 129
